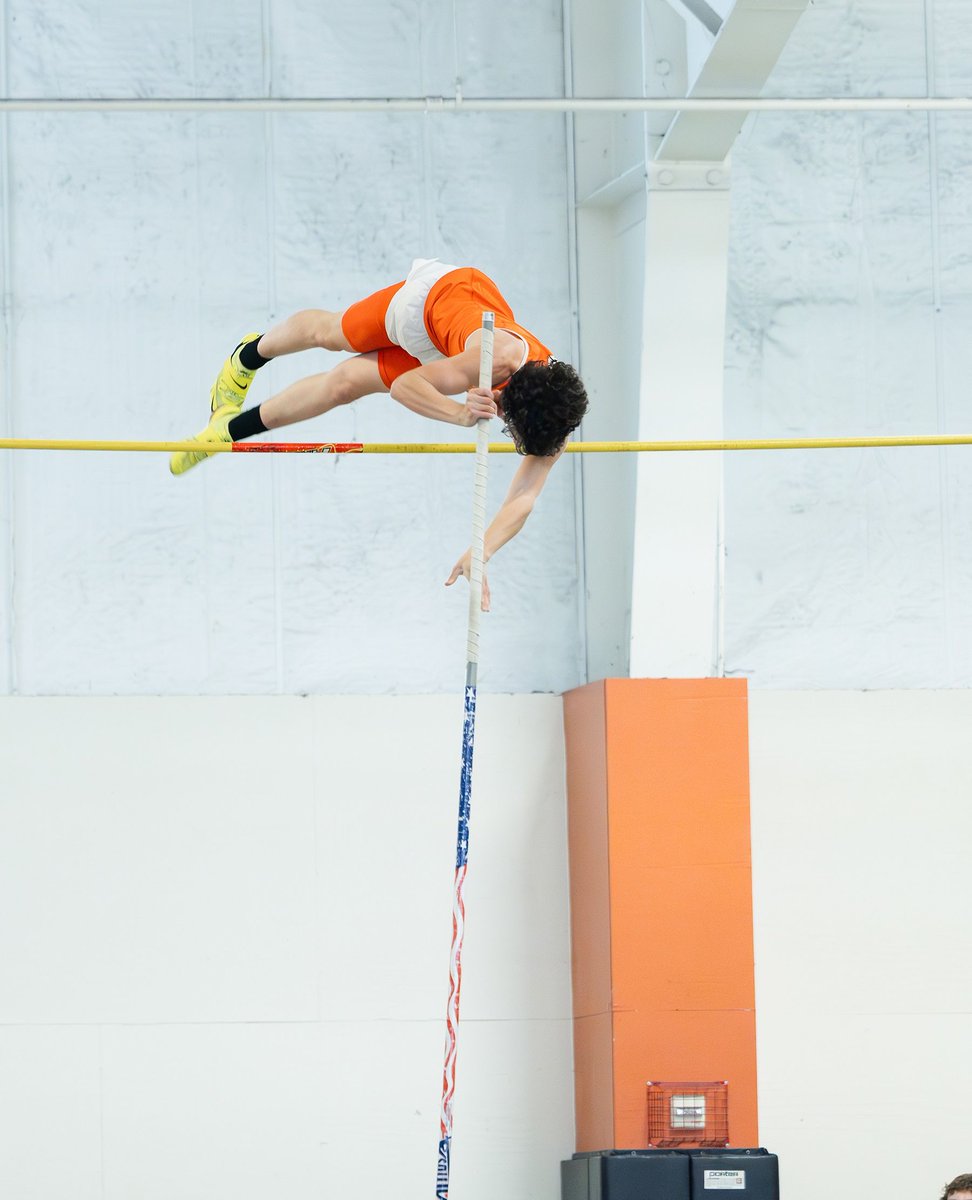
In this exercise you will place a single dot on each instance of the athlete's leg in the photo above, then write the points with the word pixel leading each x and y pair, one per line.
pixel 306 330
pixel 359 328
pixel 349 380
pixel 309 329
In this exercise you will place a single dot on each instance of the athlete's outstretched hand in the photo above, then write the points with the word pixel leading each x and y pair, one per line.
pixel 480 403
pixel 464 567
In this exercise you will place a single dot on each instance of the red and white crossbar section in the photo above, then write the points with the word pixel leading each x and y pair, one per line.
pixel 465 778
pixel 297 447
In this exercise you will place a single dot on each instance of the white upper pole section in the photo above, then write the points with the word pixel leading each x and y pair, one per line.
pixel 479 501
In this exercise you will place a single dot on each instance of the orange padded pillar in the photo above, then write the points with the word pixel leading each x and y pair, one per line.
pixel 661 900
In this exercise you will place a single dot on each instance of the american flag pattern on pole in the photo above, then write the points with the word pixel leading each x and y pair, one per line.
pixel 465 777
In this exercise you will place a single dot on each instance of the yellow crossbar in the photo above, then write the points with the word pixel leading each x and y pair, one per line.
pixel 848 443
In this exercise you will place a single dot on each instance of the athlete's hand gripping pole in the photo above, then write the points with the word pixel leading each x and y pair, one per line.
pixel 465 779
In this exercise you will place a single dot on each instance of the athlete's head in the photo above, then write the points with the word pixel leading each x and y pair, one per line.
pixel 958 1189
pixel 542 405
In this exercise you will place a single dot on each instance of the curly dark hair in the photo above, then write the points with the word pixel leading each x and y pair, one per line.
pixel 542 404
pixel 961 1183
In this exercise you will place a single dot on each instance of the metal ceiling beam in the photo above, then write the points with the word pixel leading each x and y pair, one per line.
pixel 735 104
pixel 747 48
pixel 702 11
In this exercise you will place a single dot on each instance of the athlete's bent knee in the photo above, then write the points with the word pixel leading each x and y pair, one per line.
pixel 344 387
pixel 325 330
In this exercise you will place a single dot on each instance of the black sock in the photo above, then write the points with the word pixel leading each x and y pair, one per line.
pixel 247 424
pixel 250 356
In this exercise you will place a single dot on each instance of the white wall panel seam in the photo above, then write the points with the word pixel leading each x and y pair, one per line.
pixel 275 466
pixel 199 283
pixel 211 608
pixel 577 468
pixel 938 335
pixel 429 240
pixel 270 237
pixel 6 268
pixel 455 47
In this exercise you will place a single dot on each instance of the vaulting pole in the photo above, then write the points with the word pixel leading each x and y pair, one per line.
pixel 465 778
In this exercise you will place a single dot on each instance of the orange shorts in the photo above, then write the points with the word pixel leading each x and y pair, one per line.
pixel 363 324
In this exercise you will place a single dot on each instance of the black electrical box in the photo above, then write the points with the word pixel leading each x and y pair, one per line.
pixel 754 1174
pixel 671 1175
pixel 626 1175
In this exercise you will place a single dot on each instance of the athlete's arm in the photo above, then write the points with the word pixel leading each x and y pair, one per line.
pixel 512 515
pixel 428 390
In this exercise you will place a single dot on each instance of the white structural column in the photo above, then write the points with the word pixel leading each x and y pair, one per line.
pixel 730 48
pixel 676 576
pixel 652 198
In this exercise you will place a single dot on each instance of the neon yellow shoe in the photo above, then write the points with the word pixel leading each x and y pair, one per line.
pixel 232 381
pixel 216 431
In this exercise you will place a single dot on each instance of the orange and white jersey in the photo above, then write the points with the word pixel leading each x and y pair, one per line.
pixel 430 315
